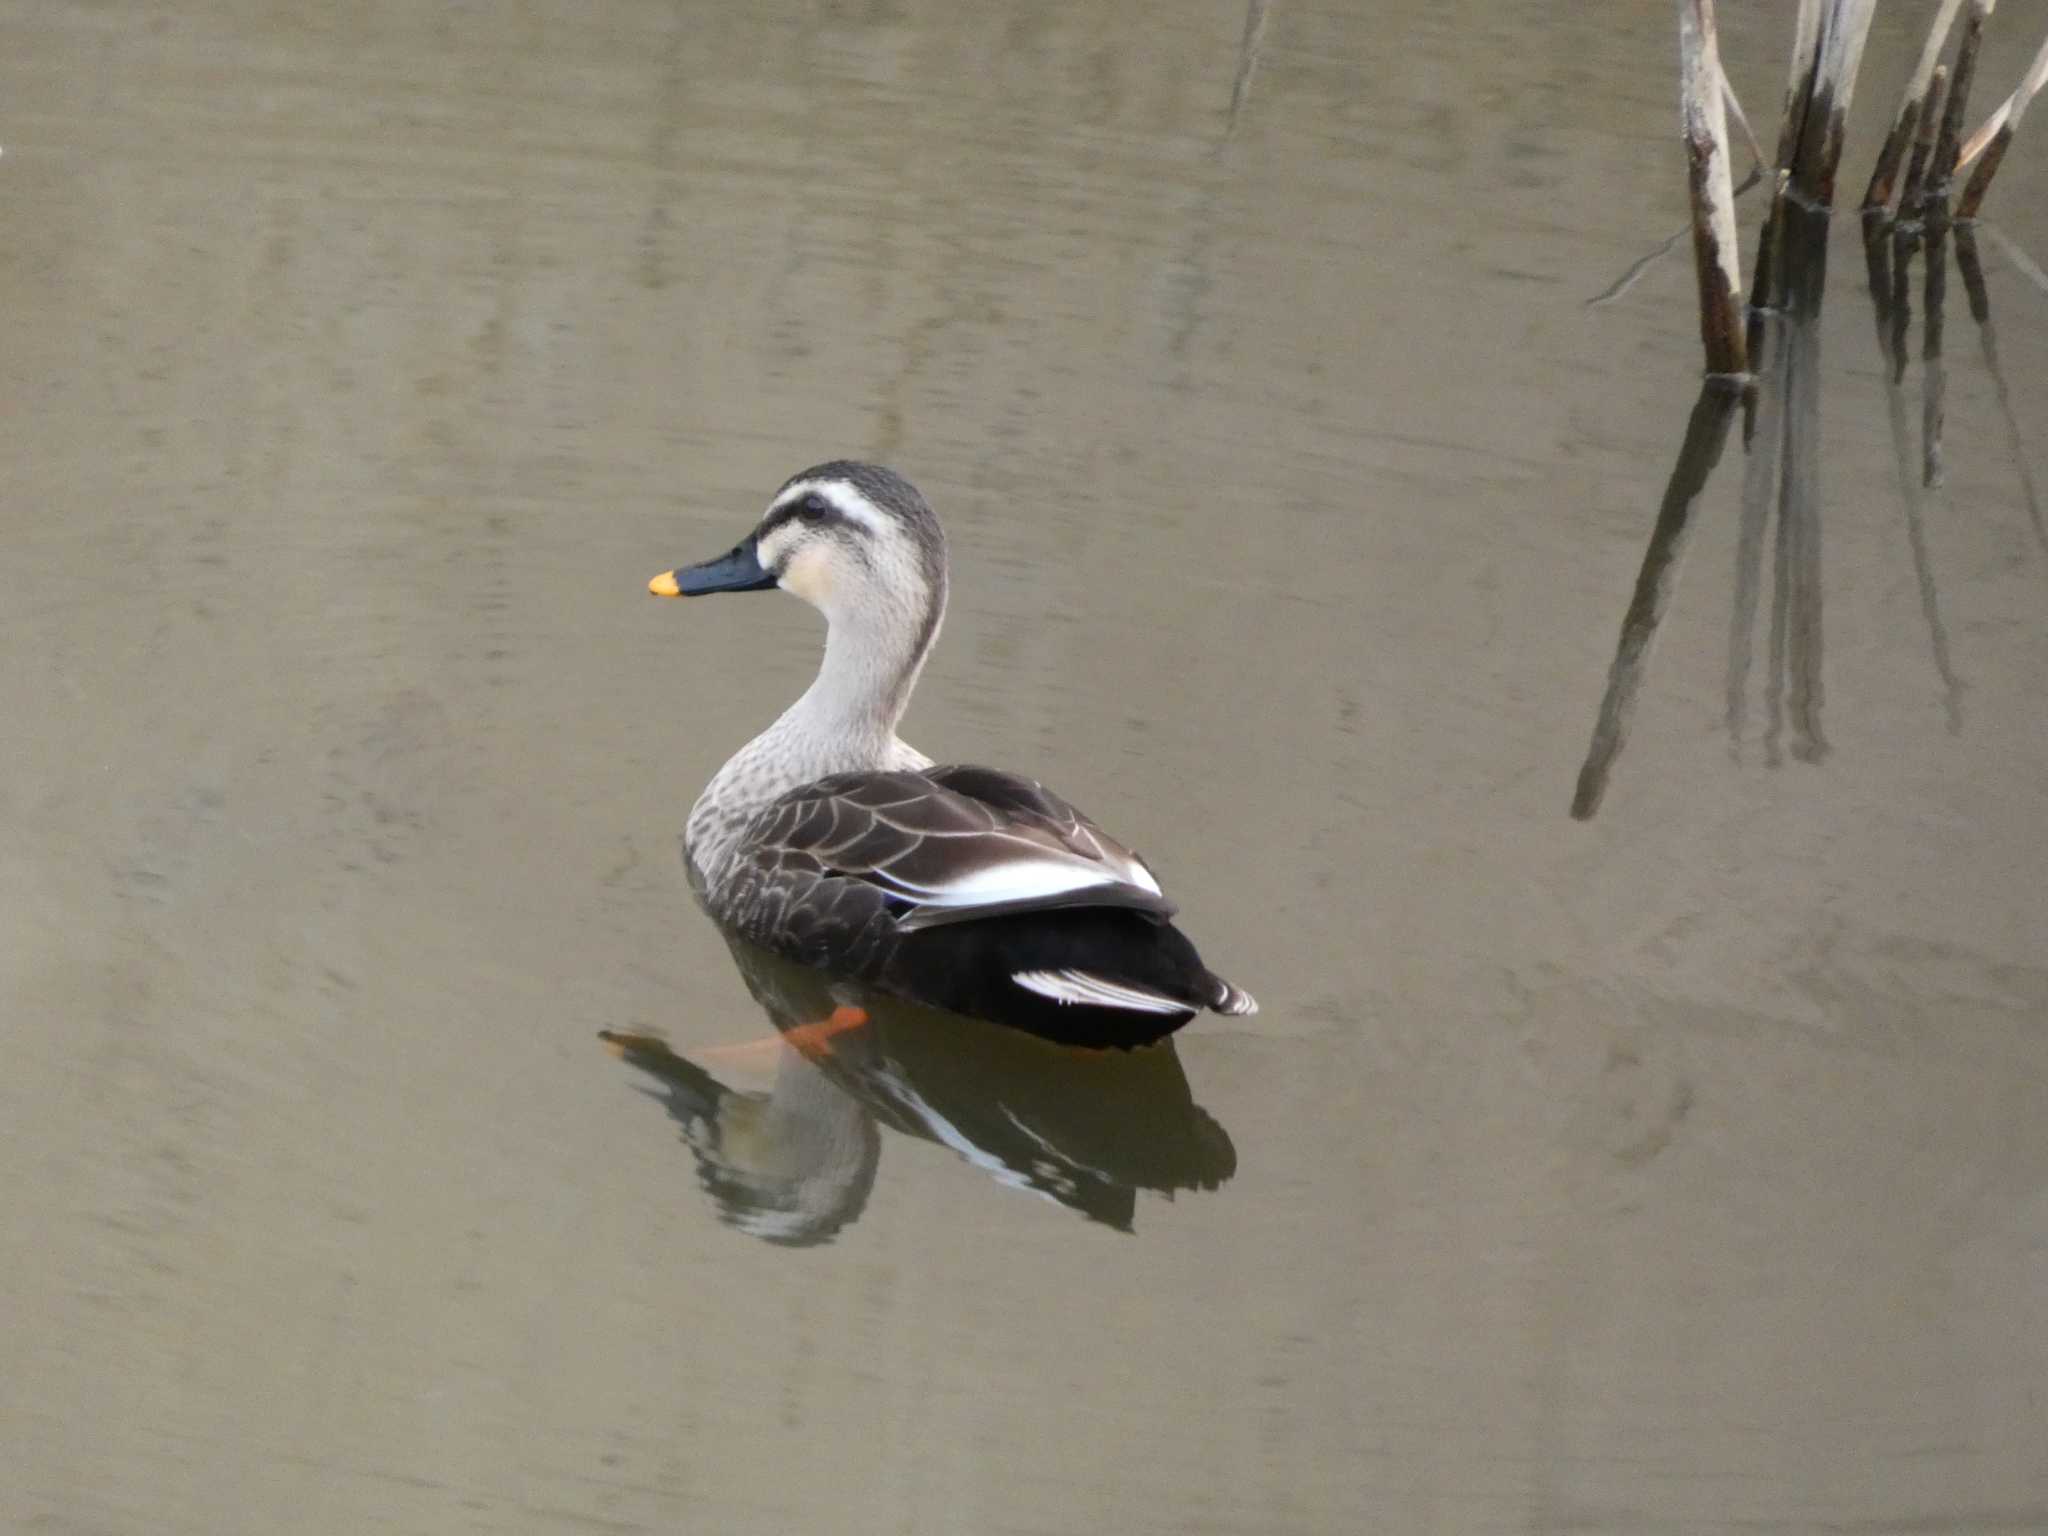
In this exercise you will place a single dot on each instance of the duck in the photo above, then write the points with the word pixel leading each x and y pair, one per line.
pixel 831 841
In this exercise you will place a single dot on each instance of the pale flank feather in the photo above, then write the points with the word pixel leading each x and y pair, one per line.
pixel 1066 986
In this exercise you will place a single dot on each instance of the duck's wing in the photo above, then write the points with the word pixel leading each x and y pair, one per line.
pixel 947 845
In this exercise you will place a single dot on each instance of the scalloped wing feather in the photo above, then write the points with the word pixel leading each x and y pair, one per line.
pixel 947 845
pixel 1030 803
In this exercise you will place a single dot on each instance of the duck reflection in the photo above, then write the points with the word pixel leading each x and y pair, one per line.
pixel 795 1164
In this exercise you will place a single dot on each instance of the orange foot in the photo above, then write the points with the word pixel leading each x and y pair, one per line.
pixel 808 1040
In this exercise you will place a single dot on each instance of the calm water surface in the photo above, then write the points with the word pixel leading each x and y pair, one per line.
pixel 1684 1170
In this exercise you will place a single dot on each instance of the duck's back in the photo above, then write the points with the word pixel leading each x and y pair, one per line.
pixel 970 889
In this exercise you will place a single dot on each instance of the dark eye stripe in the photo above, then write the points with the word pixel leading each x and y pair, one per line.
pixel 816 511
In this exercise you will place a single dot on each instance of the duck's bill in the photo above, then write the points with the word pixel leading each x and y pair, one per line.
pixel 737 571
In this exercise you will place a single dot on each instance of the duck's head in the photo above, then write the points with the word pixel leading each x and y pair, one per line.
pixel 855 541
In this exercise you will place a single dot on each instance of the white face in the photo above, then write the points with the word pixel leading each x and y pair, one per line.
pixel 826 542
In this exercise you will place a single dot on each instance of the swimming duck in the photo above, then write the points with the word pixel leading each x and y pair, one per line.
pixel 830 840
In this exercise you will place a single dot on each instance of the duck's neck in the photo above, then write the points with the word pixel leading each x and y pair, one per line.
pixel 844 722
pixel 864 683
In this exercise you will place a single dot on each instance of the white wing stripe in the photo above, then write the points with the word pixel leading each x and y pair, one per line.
pixel 1097 991
pixel 1138 875
pixel 1013 880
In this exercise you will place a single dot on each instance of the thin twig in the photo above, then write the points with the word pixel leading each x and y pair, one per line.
pixel 2009 110
pixel 1756 150
pixel 1643 263
pixel 1991 140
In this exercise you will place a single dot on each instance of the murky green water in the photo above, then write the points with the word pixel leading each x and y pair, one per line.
pixel 1684 1170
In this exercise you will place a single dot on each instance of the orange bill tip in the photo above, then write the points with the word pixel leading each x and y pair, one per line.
pixel 664 585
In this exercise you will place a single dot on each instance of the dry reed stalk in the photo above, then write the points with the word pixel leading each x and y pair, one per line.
pixel 1884 178
pixel 1947 145
pixel 1713 191
pixel 1806 40
pixel 1826 57
pixel 1806 43
pixel 1934 203
pixel 1990 140
pixel 1913 192
pixel 1834 86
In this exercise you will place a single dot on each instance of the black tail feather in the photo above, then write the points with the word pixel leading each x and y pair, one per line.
pixel 968 967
